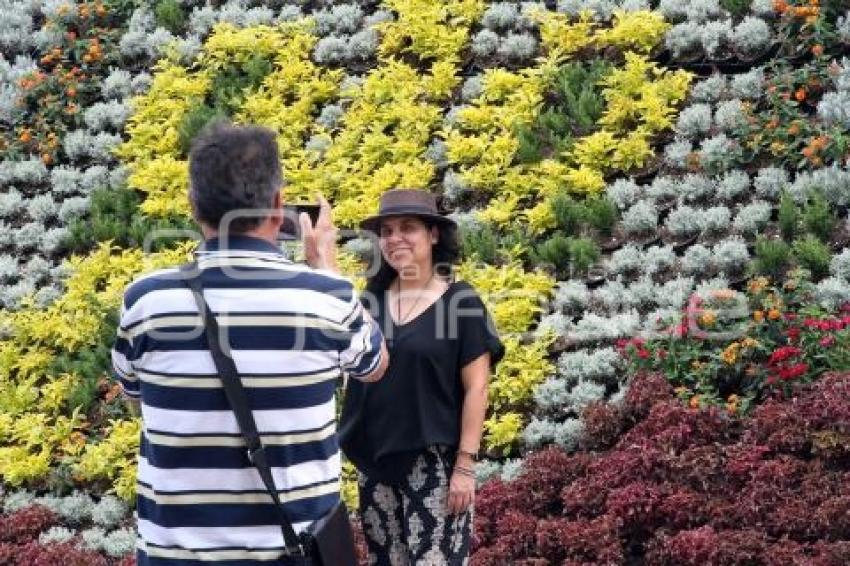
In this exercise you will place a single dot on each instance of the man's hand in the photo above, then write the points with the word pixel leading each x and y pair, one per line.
pixel 319 240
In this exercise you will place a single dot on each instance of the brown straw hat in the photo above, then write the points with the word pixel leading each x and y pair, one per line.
pixel 406 202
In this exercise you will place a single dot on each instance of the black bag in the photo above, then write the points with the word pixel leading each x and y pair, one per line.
pixel 326 542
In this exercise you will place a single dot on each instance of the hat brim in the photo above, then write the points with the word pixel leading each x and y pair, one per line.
pixel 373 223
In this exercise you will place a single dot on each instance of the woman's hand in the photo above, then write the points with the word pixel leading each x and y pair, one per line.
pixel 461 492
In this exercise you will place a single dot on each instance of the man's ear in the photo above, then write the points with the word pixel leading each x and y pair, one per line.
pixel 277 208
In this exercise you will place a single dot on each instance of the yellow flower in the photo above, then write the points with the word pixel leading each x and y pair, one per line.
pixel 694 403
pixel 750 343
pixel 774 314
pixel 732 403
pixel 758 316
pixel 758 284
pixel 708 318
pixel 730 354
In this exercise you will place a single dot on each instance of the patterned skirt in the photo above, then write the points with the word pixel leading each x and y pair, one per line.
pixel 408 523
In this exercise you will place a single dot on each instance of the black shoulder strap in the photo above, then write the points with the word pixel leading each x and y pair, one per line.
pixel 239 403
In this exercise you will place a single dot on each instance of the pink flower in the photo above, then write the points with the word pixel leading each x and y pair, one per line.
pixel 827 341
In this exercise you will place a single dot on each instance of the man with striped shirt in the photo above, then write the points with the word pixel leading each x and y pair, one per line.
pixel 292 331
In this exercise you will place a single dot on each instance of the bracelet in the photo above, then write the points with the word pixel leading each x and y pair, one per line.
pixel 472 455
pixel 465 471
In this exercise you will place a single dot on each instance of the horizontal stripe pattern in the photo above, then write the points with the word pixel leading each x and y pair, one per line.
pixel 292 333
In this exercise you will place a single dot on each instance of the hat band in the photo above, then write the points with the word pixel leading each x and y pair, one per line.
pixel 407 208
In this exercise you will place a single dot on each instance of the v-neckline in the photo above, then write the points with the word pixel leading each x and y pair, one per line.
pixel 418 316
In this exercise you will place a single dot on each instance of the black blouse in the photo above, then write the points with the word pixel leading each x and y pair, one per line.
pixel 420 398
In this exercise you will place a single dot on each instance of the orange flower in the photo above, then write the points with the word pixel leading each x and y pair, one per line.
pixel 820 142
pixel 694 402
pixel 732 403
pixel 723 294
pixel 808 152
pixel 817 50
pixel 758 284
pixel 800 95
pixel 794 128
pixel 758 316
pixel 26 136
pixel 772 124
pixel 780 6
pixel 774 314
pixel 708 318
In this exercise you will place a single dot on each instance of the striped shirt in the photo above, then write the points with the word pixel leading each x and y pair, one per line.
pixel 292 332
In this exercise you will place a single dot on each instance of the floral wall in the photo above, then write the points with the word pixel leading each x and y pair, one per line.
pixel 649 192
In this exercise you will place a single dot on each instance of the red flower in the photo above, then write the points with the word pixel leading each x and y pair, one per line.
pixel 793 372
pixel 643 353
pixel 783 353
pixel 811 323
pixel 793 333
pixel 827 341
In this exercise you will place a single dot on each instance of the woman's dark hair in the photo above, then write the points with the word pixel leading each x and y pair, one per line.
pixel 444 255
pixel 233 168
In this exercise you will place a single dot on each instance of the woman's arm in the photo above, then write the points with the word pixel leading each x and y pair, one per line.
pixel 474 376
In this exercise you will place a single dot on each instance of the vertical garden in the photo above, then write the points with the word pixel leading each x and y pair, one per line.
pixel 653 197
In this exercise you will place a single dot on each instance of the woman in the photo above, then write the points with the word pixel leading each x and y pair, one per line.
pixel 414 436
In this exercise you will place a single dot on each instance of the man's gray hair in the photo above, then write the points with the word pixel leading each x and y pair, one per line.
pixel 230 168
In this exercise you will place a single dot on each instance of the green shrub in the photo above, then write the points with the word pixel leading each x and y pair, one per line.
pixel 170 15
pixel 569 214
pixel 482 242
pixel 601 214
pixel 736 7
pixel 232 83
pixel 554 251
pixel 193 122
pixel 772 257
pixel 812 254
pixel 529 145
pixel 789 217
pixel 584 253
pixel 818 218
pixel 114 216
pixel 573 107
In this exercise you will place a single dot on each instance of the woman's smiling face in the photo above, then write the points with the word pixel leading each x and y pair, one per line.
pixel 406 241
